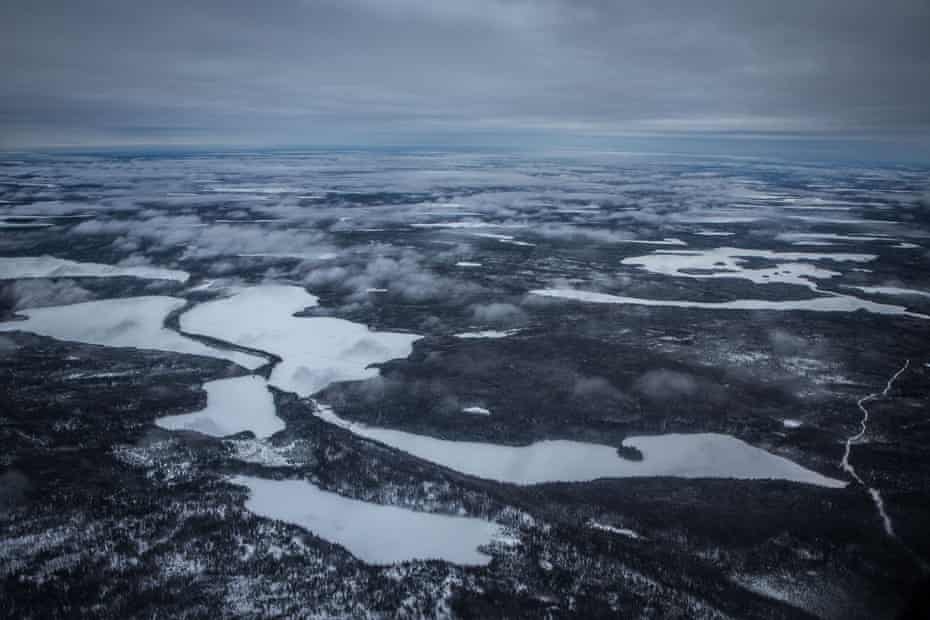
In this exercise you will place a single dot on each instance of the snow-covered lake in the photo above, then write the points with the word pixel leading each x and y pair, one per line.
pixel 315 351
pixel 374 533
pixel 129 322
pixel 699 455
pixel 233 405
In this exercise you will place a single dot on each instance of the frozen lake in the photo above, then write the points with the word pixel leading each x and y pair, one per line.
pixel 699 455
pixel 315 351
pixel 374 533
pixel 136 322
pixel 827 303
pixel 233 405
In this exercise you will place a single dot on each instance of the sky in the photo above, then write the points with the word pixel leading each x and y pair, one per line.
pixel 310 72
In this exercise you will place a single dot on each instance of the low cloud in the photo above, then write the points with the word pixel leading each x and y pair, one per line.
pixel 597 389
pixel 38 293
pixel 400 272
pixel 498 314
pixel 666 385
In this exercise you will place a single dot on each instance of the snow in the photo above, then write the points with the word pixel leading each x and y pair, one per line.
pixel 136 322
pixel 298 255
pixel 811 238
pixel 248 189
pixel 8 224
pixel 314 351
pixel 466 224
pixel 792 267
pixel 891 290
pixel 488 333
pixel 374 533
pixel 614 530
pixel 233 405
pixel 710 218
pixel 699 455
pixel 714 233
pixel 51 267
pixel 666 241
pixel 829 303
pixel 496 236
pixel 476 411
pixel 260 452
pixel 816 219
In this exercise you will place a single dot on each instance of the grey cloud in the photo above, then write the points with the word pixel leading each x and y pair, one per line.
pixel 362 71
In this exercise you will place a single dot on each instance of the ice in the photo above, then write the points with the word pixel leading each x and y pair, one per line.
pixel 51 267
pixel 314 351
pixel 623 531
pixel 488 333
pixel 665 241
pixel 233 405
pixel 136 322
pixel 829 303
pixel 891 290
pixel 466 224
pixel 699 455
pixel 791 267
pixel 8 224
pixel 374 533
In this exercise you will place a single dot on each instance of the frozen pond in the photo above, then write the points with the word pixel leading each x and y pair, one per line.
pixel 700 455
pixel 374 533
pixel 233 405
pixel 136 322
pixel 51 267
pixel 315 351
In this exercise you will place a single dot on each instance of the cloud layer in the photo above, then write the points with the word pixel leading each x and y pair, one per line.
pixel 360 71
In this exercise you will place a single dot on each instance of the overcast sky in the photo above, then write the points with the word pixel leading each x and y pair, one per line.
pixel 95 72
